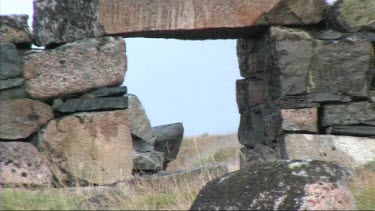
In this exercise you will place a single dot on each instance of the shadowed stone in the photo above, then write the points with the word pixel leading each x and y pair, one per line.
pixel 13 93
pixel 168 140
pixel 258 154
pixel 91 147
pixel 10 83
pixel 352 130
pixel 21 164
pixel 183 19
pixel 93 104
pixel 351 152
pixel 250 92
pixel 76 68
pixel 14 29
pixel 19 118
pixel 279 185
pixel 11 62
pixel 106 92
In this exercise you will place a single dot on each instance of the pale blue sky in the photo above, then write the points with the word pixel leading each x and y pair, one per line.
pixel 192 82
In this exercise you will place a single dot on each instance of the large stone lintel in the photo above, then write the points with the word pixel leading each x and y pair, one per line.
pixel 183 19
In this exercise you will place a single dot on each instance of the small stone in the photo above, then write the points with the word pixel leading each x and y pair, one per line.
pixel 348 114
pixel 302 120
pixel 11 83
pixel 19 118
pixel 94 147
pixel 349 151
pixel 93 104
pixel 13 93
pixel 75 68
pixel 352 130
pixel 353 15
pixel 11 62
pixel 21 164
pixel 168 140
pixel 14 29
pixel 148 161
pixel 106 92
pixel 140 125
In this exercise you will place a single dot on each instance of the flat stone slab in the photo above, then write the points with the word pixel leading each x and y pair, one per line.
pixel 93 104
pixel 353 130
pixel 10 83
pixel 183 19
pixel 106 92
pixel 14 29
pixel 76 68
pixel 21 164
pixel 349 151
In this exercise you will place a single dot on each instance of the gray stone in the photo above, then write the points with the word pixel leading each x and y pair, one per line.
pixel 148 161
pixel 56 103
pixel 140 125
pixel 351 152
pixel 20 118
pixel 22 165
pixel 300 120
pixel 168 140
pixel 260 126
pixel 13 93
pixel 348 114
pixel 352 15
pixel 250 92
pixel 56 21
pixel 258 154
pixel 328 98
pixel 11 62
pixel 294 63
pixel 11 83
pixel 75 68
pixel 352 130
pixel 14 29
pixel 106 92
pixel 141 145
pixel 279 185
pixel 93 104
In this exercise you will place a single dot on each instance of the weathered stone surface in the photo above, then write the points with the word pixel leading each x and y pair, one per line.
pixel 21 164
pixel 141 145
pixel 106 92
pixel 328 98
pixel 139 123
pixel 10 83
pixel 303 119
pixel 278 185
pixel 260 126
pixel 294 63
pixel 353 16
pixel 92 147
pixel 348 114
pixel 352 130
pixel 13 93
pixel 349 151
pixel 258 154
pixel 168 140
pixel 148 161
pixel 250 92
pixel 14 28
pixel 19 118
pixel 11 62
pixel 183 19
pixel 76 68
pixel 93 104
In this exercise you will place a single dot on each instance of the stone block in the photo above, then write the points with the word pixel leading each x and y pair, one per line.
pixel 106 92
pixel 14 29
pixel 352 130
pixel 22 165
pixel 168 140
pixel 260 126
pixel 148 161
pixel 296 64
pixel 348 114
pixel 352 15
pixel 250 92
pixel 349 151
pixel 300 120
pixel 19 118
pixel 139 123
pixel 76 68
pixel 92 148
pixel 56 21
pixel 10 60
pixel 93 104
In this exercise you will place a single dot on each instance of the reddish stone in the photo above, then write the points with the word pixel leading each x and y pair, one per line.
pixel 303 119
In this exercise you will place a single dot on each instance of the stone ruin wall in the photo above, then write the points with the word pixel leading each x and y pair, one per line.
pixel 307 90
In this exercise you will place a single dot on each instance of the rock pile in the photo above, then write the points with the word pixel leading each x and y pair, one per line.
pixel 65 119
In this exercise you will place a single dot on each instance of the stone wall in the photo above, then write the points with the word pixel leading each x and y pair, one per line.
pixel 307 68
